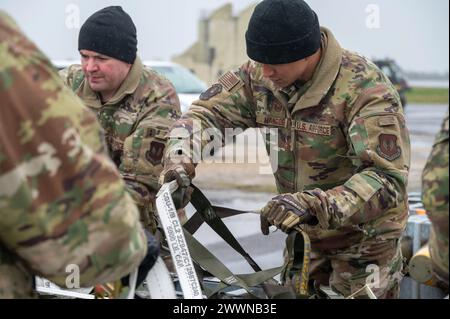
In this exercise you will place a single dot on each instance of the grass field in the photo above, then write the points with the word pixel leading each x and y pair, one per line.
pixel 427 95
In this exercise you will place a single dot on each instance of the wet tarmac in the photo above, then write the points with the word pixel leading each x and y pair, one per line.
pixel 424 121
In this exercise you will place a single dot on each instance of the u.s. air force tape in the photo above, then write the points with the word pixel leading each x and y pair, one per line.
pixel 177 243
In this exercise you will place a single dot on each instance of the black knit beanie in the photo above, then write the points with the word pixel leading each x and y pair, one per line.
pixel 111 32
pixel 282 31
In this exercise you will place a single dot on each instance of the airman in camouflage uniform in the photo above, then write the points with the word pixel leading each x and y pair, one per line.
pixel 435 201
pixel 138 114
pixel 62 200
pixel 343 146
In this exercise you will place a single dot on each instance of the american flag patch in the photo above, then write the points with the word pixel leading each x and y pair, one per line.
pixel 229 80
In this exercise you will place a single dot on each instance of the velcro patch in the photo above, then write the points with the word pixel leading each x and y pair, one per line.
pixel 388 148
pixel 274 121
pixel 387 121
pixel 155 153
pixel 364 186
pixel 229 81
pixel 312 128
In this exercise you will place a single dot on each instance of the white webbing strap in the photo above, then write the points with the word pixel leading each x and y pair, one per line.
pixel 45 286
pixel 159 282
pixel 177 242
pixel 132 284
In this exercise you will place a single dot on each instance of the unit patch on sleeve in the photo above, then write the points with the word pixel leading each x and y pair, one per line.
pixel 155 153
pixel 388 148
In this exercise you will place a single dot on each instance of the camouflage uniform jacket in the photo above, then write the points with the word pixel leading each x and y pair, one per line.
pixel 435 200
pixel 62 200
pixel 136 121
pixel 343 139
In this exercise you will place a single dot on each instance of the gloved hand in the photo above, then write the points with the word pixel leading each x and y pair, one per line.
pixel 286 211
pixel 265 225
pixel 148 261
pixel 183 172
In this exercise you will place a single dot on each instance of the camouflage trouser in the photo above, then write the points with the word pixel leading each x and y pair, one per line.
pixel 438 244
pixel 377 264
pixel 16 281
pixel 147 218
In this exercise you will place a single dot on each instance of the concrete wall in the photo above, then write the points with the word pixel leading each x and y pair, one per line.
pixel 220 45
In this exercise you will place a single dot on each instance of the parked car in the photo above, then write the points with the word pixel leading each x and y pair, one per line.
pixel 187 84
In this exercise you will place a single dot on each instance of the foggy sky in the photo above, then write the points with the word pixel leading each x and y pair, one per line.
pixel 414 32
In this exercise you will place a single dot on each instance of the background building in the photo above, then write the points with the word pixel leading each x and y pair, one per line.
pixel 220 45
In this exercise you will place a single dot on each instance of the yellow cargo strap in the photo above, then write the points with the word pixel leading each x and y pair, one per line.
pixel 296 270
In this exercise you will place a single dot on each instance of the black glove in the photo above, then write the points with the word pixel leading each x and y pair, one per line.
pixel 148 261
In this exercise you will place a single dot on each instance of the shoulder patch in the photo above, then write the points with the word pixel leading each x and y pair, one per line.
pixel 388 148
pixel 211 92
pixel 230 80
pixel 155 153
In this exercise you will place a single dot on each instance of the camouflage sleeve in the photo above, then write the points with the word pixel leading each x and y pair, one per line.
pixel 62 202
pixel 380 148
pixel 66 76
pixel 71 76
pixel 226 104
pixel 143 150
pixel 435 173
pixel 435 195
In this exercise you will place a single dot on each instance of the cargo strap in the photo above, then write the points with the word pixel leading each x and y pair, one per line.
pixel 296 269
pixel 215 267
pixel 208 213
pixel 159 283
pixel 46 287
pixel 177 242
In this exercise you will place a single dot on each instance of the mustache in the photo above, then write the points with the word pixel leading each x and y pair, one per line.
pixel 94 75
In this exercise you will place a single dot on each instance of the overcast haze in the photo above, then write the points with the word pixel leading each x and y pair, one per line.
pixel 414 32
